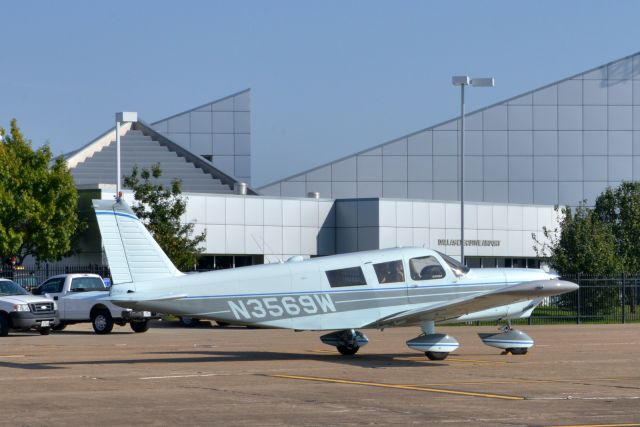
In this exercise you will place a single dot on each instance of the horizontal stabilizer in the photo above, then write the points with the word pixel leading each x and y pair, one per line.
pixel 459 307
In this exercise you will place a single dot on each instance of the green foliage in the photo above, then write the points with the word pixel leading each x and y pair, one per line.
pixel 161 209
pixel 620 208
pixel 38 200
pixel 584 244
pixel 603 240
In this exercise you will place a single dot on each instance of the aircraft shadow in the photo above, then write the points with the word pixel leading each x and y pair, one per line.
pixel 372 361
pixel 365 360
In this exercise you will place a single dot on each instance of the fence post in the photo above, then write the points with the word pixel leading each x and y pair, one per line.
pixel 622 297
pixel 578 302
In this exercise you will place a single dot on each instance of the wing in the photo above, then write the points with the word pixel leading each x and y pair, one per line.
pixel 458 307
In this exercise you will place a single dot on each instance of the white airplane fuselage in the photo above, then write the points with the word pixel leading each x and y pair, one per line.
pixel 341 293
pixel 298 295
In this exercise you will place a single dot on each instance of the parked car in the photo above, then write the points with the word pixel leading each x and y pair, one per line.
pixel 83 298
pixel 22 311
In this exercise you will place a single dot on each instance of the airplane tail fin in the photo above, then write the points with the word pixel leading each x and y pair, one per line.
pixel 132 253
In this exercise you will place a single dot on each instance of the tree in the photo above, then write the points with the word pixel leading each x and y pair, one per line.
pixel 161 208
pixel 38 201
pixel 620 208
pixel 602 241
pixel 583 244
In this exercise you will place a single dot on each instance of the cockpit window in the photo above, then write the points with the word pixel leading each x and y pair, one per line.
pixel 346 277
pixel 458 268
pixel 389 272
pixel 426 268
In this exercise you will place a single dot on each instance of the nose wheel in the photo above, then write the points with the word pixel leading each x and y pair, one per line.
pixel 347 350
pixel 510 340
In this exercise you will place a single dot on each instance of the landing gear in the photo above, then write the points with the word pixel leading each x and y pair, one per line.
pixel 347 350
pixel 435 346
pixel 436 355
pixel 348 342
pixel 510 340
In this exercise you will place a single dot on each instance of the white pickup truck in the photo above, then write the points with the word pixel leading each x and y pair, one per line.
pixel 84 298
pixel 19 310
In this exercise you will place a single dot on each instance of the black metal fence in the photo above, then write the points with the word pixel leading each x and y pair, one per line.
pixel 613 299
pixel 598 300
pixel 31 276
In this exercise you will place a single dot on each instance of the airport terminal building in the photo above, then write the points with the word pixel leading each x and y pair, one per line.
pixel 556 145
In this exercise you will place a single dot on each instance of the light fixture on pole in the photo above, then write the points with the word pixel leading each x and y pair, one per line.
pixel 122 117
pixel 463 81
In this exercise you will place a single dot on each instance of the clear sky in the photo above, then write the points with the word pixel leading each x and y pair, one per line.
pixel 328 78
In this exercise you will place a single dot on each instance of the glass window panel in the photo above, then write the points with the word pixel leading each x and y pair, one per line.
pixel 53 286
pixel 570 92
pixel 426 268
pixel 346 277
pixel 87 284
pixel 473 262
pixel 489 263
pixel 389 272
pixel 519 263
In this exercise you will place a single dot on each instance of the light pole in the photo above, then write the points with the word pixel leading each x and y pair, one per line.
pixel 463 81
pixel 122 117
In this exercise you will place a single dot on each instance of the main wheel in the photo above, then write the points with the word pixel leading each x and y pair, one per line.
pixel 518 350
pixel 44 331
pixel 436 355
pixel 59 327
pixel 347 350
pixel 139 327
pixel 4 325
pixel 102 321
pixel 188 322
pixel 222 324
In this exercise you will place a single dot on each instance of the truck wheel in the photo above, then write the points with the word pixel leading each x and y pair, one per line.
pixel 4 325
pixel 102 321
pixel 59 327
pixel 44 331
pixel 139 327
pixel 188 322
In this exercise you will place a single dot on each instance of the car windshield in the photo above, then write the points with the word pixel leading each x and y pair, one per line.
pixel 458 268
pixel 7 287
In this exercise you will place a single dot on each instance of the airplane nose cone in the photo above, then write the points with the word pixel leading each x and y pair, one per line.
pixel 566 286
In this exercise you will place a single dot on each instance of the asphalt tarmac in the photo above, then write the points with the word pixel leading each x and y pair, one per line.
pixel 574 375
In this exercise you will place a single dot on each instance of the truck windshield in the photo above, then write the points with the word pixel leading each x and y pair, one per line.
pixel 458 268
pixel 7 287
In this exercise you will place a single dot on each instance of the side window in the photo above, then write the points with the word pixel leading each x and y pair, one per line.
pixel 52 286
pixel 389 272
pixel 346 277
pixel 426 268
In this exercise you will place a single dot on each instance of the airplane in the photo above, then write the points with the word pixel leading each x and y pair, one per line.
pixel 342 293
